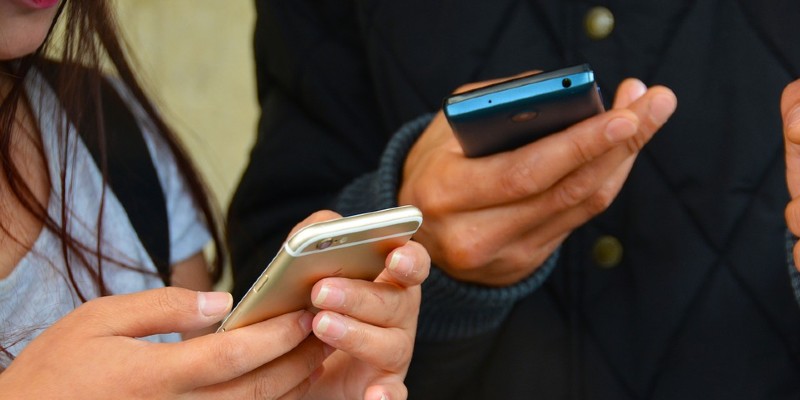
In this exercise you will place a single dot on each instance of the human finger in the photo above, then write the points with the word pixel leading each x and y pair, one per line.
pixel 521 246
pixel 377 303
pixel 227 355
pixel 793 216
pixel 575 186
pixel 387 349
pixel 652 111
pixel 387 389
pixel 628 91
pixel 790 111
pixel 407 265
pixel 285 377
pixel 529 249
pixel 510 176
pixel 150 312
pixel 534 169
pixel 319 216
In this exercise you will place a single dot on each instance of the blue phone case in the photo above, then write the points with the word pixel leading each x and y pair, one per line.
pixel 512 113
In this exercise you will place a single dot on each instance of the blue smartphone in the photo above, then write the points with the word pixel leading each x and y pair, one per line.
pixel 513 113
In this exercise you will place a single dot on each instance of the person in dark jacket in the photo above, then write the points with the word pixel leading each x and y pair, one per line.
pixel 679 289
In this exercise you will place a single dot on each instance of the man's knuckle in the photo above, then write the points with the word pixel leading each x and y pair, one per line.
pixel 432 201
pixel 521 180
pixel 466 250
pixel 399 358
pixel 599 202
pixel 580 152
pixel 572 192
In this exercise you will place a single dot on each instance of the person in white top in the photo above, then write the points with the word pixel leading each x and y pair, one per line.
pixel 83 310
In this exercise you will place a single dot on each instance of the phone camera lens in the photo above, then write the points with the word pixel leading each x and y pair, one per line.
pixel 524 116
pixel 324 244
pixel 566 82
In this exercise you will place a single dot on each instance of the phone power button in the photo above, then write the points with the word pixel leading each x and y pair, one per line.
pixel 261 282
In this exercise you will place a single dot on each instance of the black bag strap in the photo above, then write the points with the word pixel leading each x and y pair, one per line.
pixel 130 172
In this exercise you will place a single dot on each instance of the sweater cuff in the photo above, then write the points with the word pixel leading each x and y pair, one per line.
pixel 453 310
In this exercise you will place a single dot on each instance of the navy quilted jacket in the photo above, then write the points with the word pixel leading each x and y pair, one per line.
pixel 699 306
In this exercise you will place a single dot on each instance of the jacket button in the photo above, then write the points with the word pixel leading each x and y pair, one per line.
pixel 607 252
pixel 598 23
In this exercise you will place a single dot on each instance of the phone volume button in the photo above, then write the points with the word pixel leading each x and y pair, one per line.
pixel 261 282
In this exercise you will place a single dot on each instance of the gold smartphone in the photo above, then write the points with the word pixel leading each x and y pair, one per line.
pixel 352 247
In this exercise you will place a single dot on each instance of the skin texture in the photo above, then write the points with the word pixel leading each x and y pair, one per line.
pixel 790 110
pixel 22 29
pixel 93 353
pixel 540 192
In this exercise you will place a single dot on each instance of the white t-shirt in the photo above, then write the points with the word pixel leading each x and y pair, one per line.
pixel 38 292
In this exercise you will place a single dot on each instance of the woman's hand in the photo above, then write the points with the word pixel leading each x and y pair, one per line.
pixel 93 353
pixel 372 324
pixel 493 220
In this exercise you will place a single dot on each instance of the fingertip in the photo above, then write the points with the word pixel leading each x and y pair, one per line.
pixel 318 216
pixel 629 91
pixel 386 392
pixel 326 294
pixel 400 263
pixel 329 327
pixel 635 88
pixel 662 105
pixel 214 304
pixel 410 263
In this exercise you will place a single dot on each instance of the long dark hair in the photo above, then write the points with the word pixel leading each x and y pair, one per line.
pixel 88 42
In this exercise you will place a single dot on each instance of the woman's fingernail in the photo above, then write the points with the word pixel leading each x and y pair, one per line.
pixel 401 264
pixel 214 304
pixel 330 327
pixel 329 296
pixel 619 129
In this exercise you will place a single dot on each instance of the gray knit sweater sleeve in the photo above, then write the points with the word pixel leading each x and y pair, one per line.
pixel 450 309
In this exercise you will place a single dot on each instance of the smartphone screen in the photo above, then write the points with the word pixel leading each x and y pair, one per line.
pixel 352 247
pixel 513 113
